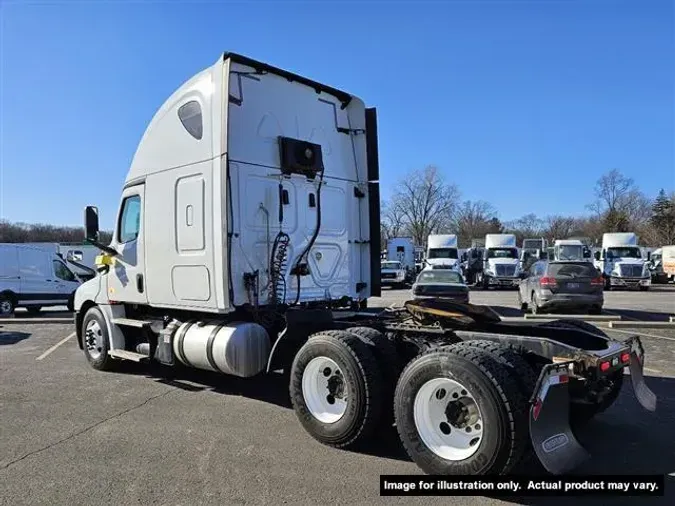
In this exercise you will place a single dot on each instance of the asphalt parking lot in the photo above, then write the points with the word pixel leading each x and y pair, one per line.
pixel 72 435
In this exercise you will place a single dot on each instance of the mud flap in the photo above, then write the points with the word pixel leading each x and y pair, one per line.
pixel 552 437
pixel 644 395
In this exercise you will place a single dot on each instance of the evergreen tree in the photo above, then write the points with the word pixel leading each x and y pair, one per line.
pixel 663 218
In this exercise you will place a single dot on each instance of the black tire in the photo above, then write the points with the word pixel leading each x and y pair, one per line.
pixel 513 357
pixel 388 361
pixel 102 362
pixel 502 405
pixel 71 302
pixel 523 305
pixel 7 304
pixel 33 310
pixel 364 383
pixel 595 310
pixel 486 283
pixel 644 288
pixel 582 413
pixel 534 305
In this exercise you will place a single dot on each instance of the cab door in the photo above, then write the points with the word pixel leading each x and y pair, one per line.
pixel 126 278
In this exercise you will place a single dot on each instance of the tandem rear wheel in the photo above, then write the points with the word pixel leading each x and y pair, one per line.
pixel 337 389
pixel 460 410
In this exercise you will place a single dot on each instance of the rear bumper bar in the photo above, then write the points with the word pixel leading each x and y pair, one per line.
pixel 552 437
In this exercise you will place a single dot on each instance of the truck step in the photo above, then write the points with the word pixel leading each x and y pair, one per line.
pixel 128 322
pixel 128 355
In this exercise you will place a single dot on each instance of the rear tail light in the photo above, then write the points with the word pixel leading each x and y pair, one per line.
pixel 597 281
pixel 548 281
pixel 604 366
pixel 625 358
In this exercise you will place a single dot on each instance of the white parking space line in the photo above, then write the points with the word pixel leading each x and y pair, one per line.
pixel 652 370
pixel 643 334
pixel 53 348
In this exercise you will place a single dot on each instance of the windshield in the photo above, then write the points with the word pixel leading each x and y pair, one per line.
pixel 443 253
pixel 439 276
pixel 391 265
pixel 575 270
pixel 502 253
pixel 570 252
pixel 623 252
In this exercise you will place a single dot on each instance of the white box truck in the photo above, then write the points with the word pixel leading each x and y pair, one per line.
pixel 442 252
pixel 246 239
pixel 34 277
pixel 662 264
pixel 622 263
pixel 501 262
pixel 398 270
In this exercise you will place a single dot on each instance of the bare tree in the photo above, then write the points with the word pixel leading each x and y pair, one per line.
pixel 528 226
pixel 620 204
pixel 559 227
pixel 393 219
pixel 611 190
pixel 426 202
pixel 472 220
pixel 23 232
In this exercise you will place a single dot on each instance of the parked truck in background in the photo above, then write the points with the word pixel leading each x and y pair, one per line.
pixel 621 261
pixel 501 262
pixel 247 237
pixel 402 250
pixel 662 264
pixel 531 251
pixel 442 252
pixel 571 250
pixel 472 261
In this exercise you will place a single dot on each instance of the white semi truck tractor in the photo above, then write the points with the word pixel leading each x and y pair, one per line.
pixel 442 252
pixel 622 262
pixel 501 262
pixel 247 238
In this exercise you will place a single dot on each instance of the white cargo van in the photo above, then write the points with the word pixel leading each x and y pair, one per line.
pixel 33 277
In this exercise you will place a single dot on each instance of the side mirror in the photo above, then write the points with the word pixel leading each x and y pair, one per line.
pixel 91 223
pixel 523 275
pixel 597 255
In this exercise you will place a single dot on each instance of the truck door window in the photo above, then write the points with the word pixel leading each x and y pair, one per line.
pixel 130 219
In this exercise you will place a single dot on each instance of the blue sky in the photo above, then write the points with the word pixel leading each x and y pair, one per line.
pixel 521 103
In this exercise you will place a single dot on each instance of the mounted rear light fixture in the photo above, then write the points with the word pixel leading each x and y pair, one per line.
pixel 604 366
pixel 625 357
pixel 548 281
